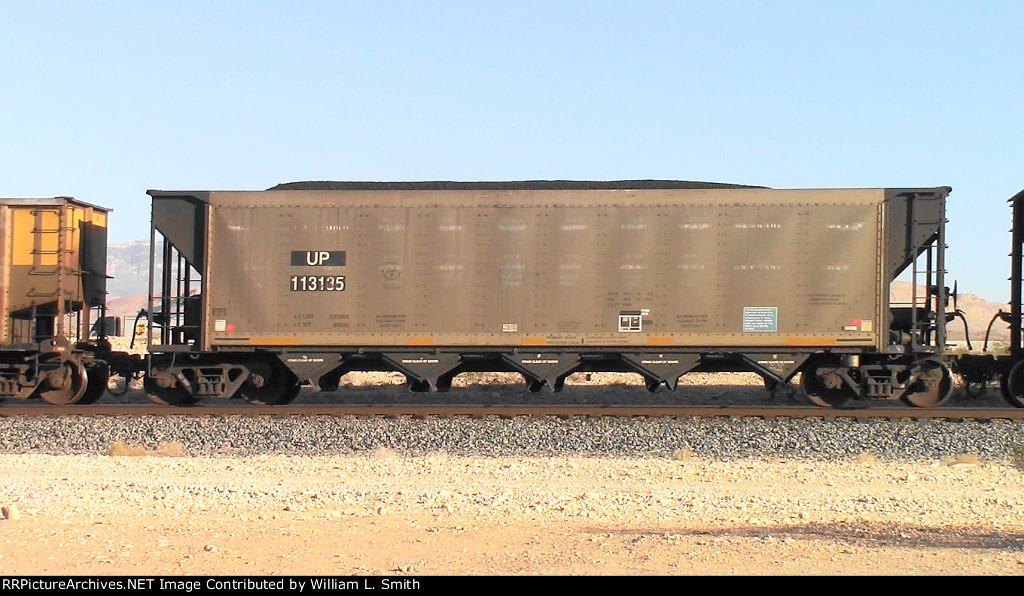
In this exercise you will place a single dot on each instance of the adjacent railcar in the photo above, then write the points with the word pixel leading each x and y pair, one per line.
pixel 1005 363
pixel 255 293
pixel 52 274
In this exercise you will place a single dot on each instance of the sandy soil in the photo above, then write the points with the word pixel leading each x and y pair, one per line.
pixel 390 515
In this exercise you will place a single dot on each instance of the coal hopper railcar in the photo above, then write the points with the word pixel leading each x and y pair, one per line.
pixel 257 293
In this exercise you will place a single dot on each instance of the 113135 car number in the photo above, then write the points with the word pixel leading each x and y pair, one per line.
pixel 317 283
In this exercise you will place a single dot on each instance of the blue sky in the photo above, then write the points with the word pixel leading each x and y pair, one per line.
pixel 104 100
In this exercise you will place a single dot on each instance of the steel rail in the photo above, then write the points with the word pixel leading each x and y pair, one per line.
pixel 510 411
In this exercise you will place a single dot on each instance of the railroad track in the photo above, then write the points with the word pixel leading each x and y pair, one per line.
pixel 509 411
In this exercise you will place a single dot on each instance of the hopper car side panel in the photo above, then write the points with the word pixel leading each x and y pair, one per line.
pixel 726 273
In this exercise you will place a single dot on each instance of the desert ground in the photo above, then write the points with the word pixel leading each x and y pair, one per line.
pixel 163 512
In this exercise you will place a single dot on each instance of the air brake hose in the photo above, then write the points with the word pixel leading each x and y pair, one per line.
pixel 999 315
pixel 967 333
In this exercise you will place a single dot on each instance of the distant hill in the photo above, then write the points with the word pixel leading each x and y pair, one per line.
pixel 128 265
pixel 126 307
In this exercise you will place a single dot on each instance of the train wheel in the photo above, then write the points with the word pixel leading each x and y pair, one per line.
pixel 175 395
pixel 269 384
pixel 97 384
pixel 826 390
pixel 65 385
pixel 935 382
pixel 1012 385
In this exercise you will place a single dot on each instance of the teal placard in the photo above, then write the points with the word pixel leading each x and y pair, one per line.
pixel 760 319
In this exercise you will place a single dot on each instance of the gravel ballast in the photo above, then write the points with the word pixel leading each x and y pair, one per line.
pixel 719 438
